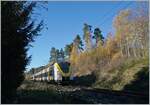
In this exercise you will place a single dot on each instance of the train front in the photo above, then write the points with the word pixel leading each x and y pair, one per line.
pixel 62 71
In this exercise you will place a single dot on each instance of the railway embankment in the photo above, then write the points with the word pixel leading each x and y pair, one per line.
pixel 45 93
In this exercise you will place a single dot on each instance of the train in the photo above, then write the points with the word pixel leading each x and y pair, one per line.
pixel 58 71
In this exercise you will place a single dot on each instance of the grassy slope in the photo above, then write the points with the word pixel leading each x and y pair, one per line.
pixel 132 75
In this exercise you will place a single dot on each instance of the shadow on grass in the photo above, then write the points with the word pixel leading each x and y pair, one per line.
pixel 141 83
pixel 86 80
pixel 47 97
pixel 39 97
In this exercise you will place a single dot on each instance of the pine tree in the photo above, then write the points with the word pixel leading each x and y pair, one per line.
pixel 78 42
pixel 62 54
pixel 18 30
pixel 68 49
pixel 57 55
pixel 98 37
pixel 53 55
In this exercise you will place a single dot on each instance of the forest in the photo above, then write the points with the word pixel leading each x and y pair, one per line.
pixel 112 59
pixel 119 61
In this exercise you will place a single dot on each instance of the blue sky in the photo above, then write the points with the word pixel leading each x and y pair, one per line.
pixel 65 20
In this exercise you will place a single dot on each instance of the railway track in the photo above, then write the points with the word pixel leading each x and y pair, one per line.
pixel 104 91
pixel 119 93
pixel 77 94
pixel 105 96
pixel 82 94
pixel 111 92
pixel 90 95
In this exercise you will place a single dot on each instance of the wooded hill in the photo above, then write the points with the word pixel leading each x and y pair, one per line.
pixel 115 60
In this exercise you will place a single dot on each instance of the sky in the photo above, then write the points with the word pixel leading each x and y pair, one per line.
pixel 64 20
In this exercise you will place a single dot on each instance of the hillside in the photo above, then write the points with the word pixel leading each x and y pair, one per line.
pixel 131 75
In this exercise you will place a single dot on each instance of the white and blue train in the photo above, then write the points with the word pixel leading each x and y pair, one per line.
pixel 58 71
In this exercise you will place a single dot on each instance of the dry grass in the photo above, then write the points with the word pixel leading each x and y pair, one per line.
pixel 121 75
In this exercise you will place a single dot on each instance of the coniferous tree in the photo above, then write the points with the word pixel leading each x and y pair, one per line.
pixel 98 37
pixel 57 55
pixel 62 54
pixel 53 55
pixel 78 42
pixel 68 49
pixel 18 30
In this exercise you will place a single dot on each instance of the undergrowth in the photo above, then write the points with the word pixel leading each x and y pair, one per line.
pixel 125 75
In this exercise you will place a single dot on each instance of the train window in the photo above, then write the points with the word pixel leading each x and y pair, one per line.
pixel 51 72
pixel 64 66
pixel 46 74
